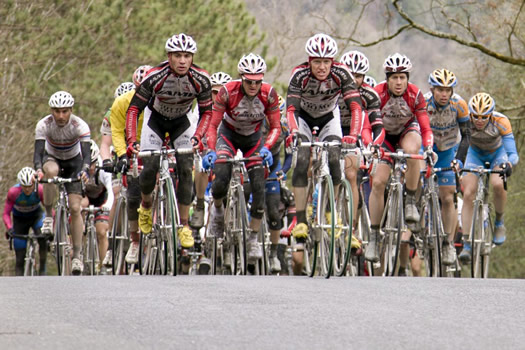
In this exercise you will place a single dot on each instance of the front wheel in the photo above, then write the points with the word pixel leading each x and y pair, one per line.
pixel 344 221
pixel 119 232
pixel 326 223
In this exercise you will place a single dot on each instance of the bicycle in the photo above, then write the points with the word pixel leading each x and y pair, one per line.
pixel 481 229
pixel 158 249
pixel 232 247
pixel 320 244
pixel 62 246
pixel 430 233
pixel 393 218
pixel 30 261
pixel 91 258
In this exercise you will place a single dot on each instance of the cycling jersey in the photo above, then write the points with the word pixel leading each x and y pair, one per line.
pixel 170 96
pixel 244 114
pixel 62 142
pixel 446 122
pixel 399 113
pixel 496 134
pixel 371 104
pixel 312 99
pixel 117 121
pixel 22 205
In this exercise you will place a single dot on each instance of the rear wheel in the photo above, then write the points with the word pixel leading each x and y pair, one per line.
pixel 487 247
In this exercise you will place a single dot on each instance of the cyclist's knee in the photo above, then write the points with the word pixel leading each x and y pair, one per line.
pixel 148 176
pixel 300 178
pixel 220 184
pixel 334 156
pixel 272 206
pixel 50 168
pixel 257 183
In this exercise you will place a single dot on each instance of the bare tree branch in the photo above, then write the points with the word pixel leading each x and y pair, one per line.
pixel 385 38
pixel 453 37
pixel 509 38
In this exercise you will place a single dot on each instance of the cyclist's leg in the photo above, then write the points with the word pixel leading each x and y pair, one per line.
pixel 300 178
pixel 70 169
pixel 37 223
pixel 351 169
pixel 51 169
pixel 101 228
pixel 273 200
pixel 331 131
pixel 410 142
pixel 20 227
pixel 500 195
pixel 201 182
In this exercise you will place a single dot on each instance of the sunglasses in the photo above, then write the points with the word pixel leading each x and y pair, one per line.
pixel 477 117
pixel 252 82
pixel 215 91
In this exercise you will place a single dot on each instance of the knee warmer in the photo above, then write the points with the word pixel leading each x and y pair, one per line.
pixel 272 207
pixel 134 198
pixel 334 157
pixel 148 176
pixel 257 182
pixel 300 178
pixel 184 170
pixel 221 182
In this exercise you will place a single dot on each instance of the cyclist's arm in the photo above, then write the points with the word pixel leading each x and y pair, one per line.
pixel 274 119
pixel 374 117
pixel 219 107
pixel 505 129
pixel 352 98
pixel 366 133
pixel 424 122
pixel 118 125
pixel 105 179
pixel 463 119
pixel 85 148
pixel 510 147
pixel 293 103
pixel 38 156
pixel 204 102
pixel 8 207
pixel 138 103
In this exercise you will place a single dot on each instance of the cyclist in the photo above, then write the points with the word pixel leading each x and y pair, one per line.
pixel 448 114
pixel 359 65
pixel 99 193
pixel 313 93
pixel 166 96
pixel 491 141
pixel 240 107
pixel 23 201
pixel 118 137
pixel 201 179
pixel 62 148
pixel 406 125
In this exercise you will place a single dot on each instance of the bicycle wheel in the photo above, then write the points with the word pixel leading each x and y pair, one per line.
pixel 344 221
pixel 264 240
pixel 236 222
pixel 29 261
pixel 326 222
pixel 119 232
pixel 61 243
pixel 91 251
pixel 171 222
pixel 146 255
pixel 476 239
pixel 241 234
pixel 392 229
pixel 363 233
pixel 487 246
pixel 438 235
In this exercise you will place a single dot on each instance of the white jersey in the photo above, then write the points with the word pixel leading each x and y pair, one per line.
pixel 62 142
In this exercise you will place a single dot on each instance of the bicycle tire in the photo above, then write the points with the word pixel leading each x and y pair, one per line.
pixel 363 233
pixel 61 239
pixel 439 233
pixel 264 263
pixel 29 263
pixel 327 243
pixel 119 233
pixel 400 226
pixel 392 229
pixel 145 255
pixel 241 235
pixel 343 241
pixel 172 218
pixel 476 236
pixel 485 256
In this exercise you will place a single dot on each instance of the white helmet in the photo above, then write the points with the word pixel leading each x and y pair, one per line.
pixel 252 66
pixel 321 45
pixel 370 81
pixel 397 63
pixel 25 176
pixel 181 43
pixel 220 78
pixel 123 88
pixel 94 151
pixel 140 74
pixel 61 99
pixel 356 61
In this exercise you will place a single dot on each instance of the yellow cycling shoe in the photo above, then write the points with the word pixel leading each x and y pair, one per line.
pixel 185 237
pixel 355 244
pixel 145 221
pixel 300 231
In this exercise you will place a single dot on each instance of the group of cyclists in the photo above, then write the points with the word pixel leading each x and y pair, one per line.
pixel 177 104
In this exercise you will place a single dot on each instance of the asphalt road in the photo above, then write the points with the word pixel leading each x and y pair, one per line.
pixel 227 312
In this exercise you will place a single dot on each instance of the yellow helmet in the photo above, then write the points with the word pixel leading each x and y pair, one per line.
pixel 443 78
pixel 282 103
pixel 481 104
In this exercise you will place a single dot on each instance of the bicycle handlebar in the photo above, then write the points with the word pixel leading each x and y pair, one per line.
pixel 59 180
pixel 143 154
